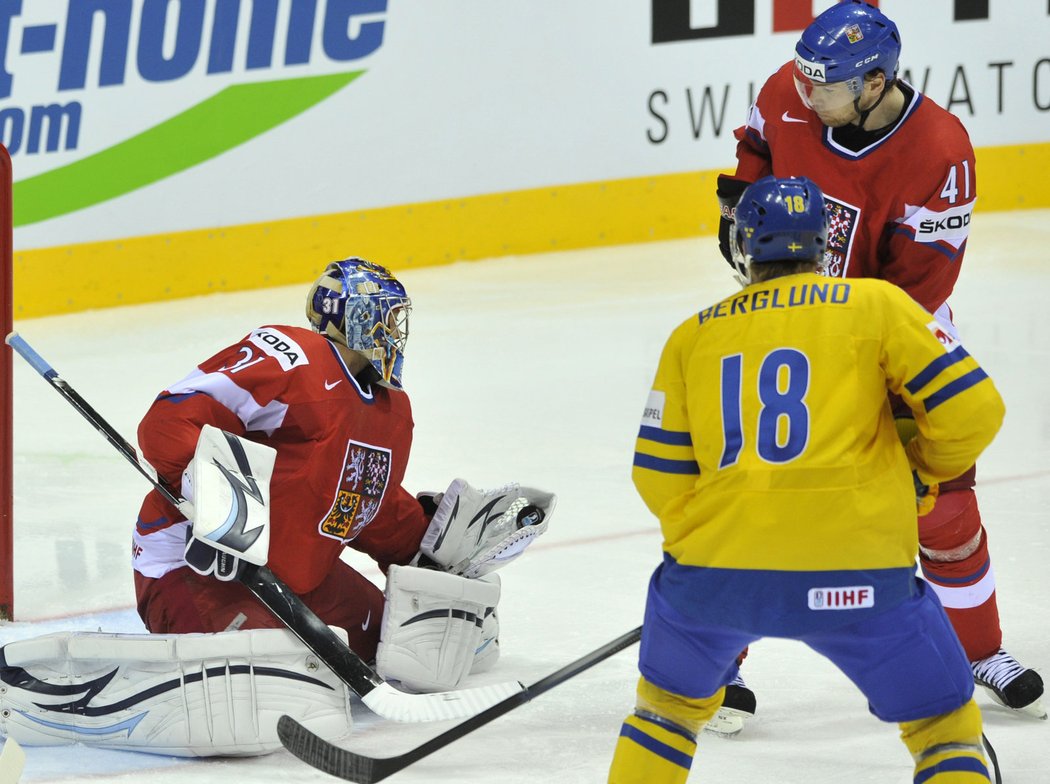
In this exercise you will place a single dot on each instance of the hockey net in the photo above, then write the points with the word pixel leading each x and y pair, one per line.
pixel 7 602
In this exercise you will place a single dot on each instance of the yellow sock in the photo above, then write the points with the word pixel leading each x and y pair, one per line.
pixel 952 766
pixel 947 748
pixel 657 742
pixel 648 752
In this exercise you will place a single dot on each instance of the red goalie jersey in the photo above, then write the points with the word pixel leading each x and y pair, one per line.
pixel 341 454
pixel 899 211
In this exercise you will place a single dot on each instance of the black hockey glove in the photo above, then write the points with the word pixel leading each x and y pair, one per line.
pixel 729 192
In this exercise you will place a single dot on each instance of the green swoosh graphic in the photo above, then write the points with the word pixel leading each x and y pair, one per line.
pixel 228 119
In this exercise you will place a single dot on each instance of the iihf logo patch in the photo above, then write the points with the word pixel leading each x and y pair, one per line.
pixel 852 597
pixel 366 474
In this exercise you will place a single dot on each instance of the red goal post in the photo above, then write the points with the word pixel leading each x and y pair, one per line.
pixel 7 559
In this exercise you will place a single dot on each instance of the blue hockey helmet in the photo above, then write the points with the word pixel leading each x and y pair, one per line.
pixel 780 219
pixel 839 47
pixel 364 307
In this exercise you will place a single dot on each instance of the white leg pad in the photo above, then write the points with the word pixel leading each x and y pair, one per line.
pixel 432 626
pixel 191 695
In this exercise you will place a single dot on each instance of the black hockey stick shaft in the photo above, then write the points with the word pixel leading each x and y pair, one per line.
pixel 304 624
pixel 274 594
pixel 993 759
pixel 50 375
pixel 350 766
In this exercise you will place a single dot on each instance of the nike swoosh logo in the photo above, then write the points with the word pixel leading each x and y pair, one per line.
pixel 788 118
pixel 332 384
pixel 368 618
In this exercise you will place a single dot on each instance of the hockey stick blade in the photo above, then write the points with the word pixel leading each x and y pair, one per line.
pixel 280 600
pixel 350 766
pixel 388 702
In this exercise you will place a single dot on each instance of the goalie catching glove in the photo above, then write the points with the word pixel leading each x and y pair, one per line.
pixel 474 532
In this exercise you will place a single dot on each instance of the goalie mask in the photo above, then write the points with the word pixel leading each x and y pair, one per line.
pixel 364 307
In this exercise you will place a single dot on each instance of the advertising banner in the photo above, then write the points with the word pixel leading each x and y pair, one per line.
pixel 199 133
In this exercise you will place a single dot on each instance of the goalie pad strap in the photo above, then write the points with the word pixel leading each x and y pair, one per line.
pixel 192 695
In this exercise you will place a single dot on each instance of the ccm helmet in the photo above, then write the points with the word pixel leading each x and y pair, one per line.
pixel 838 48
pixel 780 220
pixel 364 307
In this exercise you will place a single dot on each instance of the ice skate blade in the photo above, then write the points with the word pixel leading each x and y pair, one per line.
pixel 727 722
pixel 1034 709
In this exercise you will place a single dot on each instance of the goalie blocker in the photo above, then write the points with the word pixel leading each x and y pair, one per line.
pixel 228 484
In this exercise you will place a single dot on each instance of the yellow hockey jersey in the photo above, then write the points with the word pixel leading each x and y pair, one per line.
pixel 767 444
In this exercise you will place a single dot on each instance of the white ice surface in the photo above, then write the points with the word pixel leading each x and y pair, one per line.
pixel 532 369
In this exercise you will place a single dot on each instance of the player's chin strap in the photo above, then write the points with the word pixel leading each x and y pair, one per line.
pixel 350 668
pixel 864 114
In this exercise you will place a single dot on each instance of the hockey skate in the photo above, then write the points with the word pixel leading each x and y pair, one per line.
pixel 1010 683
pixel 737 707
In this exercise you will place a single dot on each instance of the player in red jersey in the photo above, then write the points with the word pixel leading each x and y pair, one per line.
pixel 330 402
pixel 899 178
pixel 286 447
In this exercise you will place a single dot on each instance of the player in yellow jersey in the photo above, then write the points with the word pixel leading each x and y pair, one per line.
pixel 787 503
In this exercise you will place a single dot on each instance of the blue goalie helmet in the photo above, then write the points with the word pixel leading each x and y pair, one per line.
pixel 780 220
pixel 843 44
pixel 364 307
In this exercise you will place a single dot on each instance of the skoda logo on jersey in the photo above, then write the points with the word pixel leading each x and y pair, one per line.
pixel 811 70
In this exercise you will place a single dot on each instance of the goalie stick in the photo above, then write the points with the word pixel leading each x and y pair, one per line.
pixel 351 766
pixel 382 698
